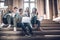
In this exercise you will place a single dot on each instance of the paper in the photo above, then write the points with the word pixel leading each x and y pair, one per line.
pixel 26 20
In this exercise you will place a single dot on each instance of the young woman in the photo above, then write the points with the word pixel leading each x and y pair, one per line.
pixel 27 12
pixel 34 20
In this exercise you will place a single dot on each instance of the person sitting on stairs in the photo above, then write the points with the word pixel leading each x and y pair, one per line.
pixel 34 18
pixel 20 24
pixel 5 19
pixel 26 21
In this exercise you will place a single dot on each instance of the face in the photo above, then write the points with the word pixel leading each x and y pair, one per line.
pixel 15 10
pixel 33 10
pixel 27 9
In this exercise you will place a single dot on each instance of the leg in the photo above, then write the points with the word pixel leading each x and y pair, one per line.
pixel 4 22
pixel 33 21
pixel 9 21
pixel 29 28
pixel 24 28
pixel 14 23
pixel 38 24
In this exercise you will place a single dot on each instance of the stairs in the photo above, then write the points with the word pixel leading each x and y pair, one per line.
pixel 50 31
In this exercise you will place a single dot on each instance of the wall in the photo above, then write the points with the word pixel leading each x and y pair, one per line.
pixel 18 3
pixel 40 7
pixel 58 8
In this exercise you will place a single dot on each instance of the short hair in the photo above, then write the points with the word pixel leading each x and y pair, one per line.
pixel 15 8
pixel 9 12
pixel 20 9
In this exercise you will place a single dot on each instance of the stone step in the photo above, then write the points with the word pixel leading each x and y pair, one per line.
pixel 50 28
pixel 43 25
pixel 45 32
pixel 41 37
pixel 50 25
pixel 48 21
pixel 20 29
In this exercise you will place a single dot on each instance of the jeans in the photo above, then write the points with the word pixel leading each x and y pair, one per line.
pixel 12 20
pixel 29 28
pixel 4 20
pixel 35 21
pixel 23 27
pixel 7 20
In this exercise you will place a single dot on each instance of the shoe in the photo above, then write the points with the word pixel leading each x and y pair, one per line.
pixel 27 35
pixel 15 29
pixel 2 25
pixel 9 26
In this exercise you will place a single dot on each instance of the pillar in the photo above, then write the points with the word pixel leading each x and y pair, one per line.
pixel 40 7
pixel 51 9
pixel 47 9
pixel 15 3
pixel 55 9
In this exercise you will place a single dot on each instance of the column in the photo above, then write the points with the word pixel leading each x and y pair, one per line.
pixel 55 9
pixel 40 7
pixel 47 9
pixel 51 9
pixel 15 3
pixel 20 3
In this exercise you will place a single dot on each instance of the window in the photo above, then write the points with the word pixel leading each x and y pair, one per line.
pixel 26 0
pixel 26 5
pixel 32 0
pixel 29 3
pixel 1 4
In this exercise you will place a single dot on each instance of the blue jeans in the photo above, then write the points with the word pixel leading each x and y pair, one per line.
pixel 4 20
pixel 35 21
pixel 29 28
pixel 7 20
pixel 23 27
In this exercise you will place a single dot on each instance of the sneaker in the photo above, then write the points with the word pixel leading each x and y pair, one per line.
pixel 27 35
pixel 41 29
pixel 9 26
pixel 2 25
pixel 15 29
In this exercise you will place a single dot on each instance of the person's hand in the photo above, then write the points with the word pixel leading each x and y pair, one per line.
pixel 13 15
pixel 10 14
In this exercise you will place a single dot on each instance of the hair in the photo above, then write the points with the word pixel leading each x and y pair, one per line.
pixel 15 8
pixel 9 12
pixel 35 9
pixel 20 9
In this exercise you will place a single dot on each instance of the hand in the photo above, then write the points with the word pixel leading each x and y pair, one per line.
pixel 13 15
pixel 10 14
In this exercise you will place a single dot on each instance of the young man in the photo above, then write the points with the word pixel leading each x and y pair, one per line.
pixel 5 19
pixel 27 21
pixel 20 24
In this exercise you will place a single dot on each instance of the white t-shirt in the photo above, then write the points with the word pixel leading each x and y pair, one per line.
pixel 12 14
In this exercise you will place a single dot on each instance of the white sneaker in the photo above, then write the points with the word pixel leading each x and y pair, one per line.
pixel 15 29
pixel 27 36
pixel 2 25
pixel 41 29
pixel 9 26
